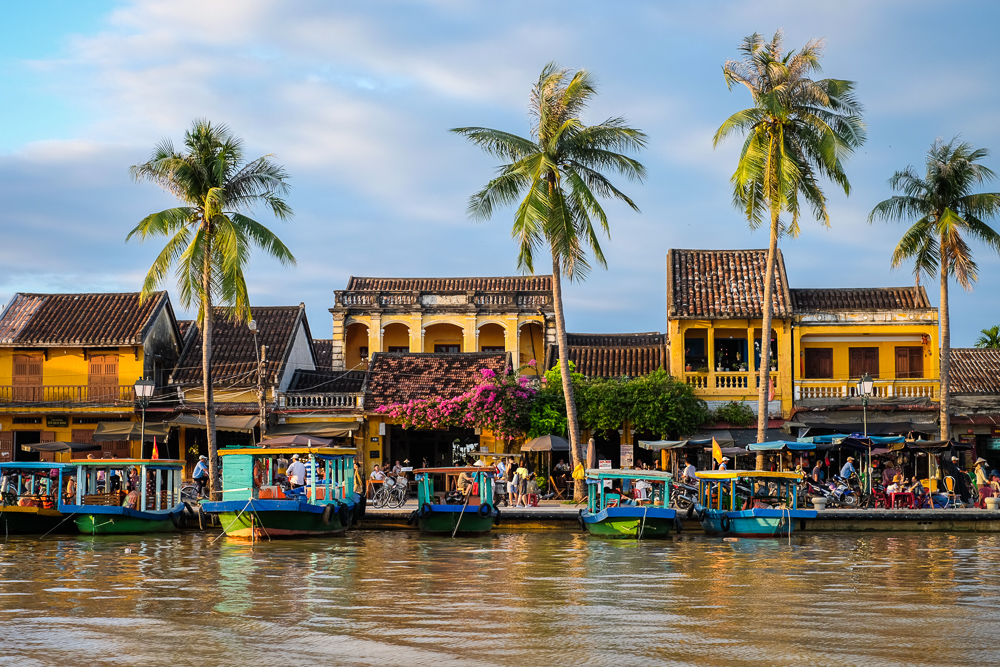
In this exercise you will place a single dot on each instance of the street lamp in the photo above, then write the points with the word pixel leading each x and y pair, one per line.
pixel 143 391
pixel 865 387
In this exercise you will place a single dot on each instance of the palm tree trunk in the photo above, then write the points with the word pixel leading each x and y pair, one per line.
pixel 572 426
pixel 945 347
pixel 206 371
pixel 765 337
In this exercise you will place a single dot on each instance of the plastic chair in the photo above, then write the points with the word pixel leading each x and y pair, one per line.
pixel 949 485
pixel 612 499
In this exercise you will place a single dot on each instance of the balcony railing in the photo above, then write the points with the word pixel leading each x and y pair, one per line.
pixel 68 394
pixel 519 299
pixel 727 382
pixel 889 388
pixel 333 401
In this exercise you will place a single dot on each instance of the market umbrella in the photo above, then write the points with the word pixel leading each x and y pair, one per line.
pixel 60 447
pixel 546 443
pixel 297 441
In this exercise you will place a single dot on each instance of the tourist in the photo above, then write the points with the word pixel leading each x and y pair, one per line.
pixel 848 469
pixel 511 477
pixel 895 485
pixel 200 474
pixel 376 475
pixel 818 473
pixel 722 464
pixel 531 491
pixel 296 473
pixel 521 481
pixel 689 473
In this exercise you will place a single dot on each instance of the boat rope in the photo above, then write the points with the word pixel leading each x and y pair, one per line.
pixel 233 522
pixel 642 524
pixel 468 495
pixel 68 516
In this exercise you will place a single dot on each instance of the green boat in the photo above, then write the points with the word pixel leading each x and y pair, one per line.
pixel 125 496
pixel 29 494
pixel 641 513
pixel 473 514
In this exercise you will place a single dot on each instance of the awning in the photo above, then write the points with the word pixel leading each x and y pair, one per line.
pixel 107 431
pixel 317 429
pixel 546 443
pixel 222 422
pixel 60 447
pixel 657 445
pixel 723 437
pixel 780 445
pixel 297 440
pixel 852 421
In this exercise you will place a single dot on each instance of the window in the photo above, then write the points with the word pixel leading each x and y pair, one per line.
pixel 363 353
pixel 447 349
pixel 863 360
pixel 399 348
pixel 27 378
pixel 909 362
pixel 819 362
pixel 102 378
pixel 494 348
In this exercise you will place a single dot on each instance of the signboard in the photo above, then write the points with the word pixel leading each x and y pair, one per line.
pixel 627 454
pixel 994 443
pixel 374 438
pixel 604 464
pixel 374 454
pixel 56 422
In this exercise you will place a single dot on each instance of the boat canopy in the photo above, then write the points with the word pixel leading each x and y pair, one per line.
pixel 126 463
pixel 322 452
pixel 457 469
pixel 776 445
pixel 34 465
pixel 741 474
pixel 618 473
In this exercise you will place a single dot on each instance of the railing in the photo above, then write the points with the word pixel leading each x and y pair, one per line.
pixel 530 300
pixel 726 382
pixel 350 401
pixel 841 389
pixel 110 395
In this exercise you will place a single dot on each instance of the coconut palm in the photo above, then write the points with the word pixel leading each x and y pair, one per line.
pixel 945 212
pixel 797 131
pixel 556 173
pixel 210 237
pixel 989 338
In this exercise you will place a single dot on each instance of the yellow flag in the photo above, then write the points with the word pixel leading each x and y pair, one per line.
pixel 716 451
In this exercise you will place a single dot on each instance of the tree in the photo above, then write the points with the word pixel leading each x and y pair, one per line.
pixel 989 338
pixel 945 211
pixel 558 171
pixel 210 237
pixel 797 131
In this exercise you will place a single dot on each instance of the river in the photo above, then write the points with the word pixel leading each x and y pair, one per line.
pixel 393 598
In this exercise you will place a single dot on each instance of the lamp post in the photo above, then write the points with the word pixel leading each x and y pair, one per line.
pixel 865 387
pixel 143 391
pixel 261 392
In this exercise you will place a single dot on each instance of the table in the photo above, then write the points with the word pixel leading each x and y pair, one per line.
pixel 904 499
pixel 373 486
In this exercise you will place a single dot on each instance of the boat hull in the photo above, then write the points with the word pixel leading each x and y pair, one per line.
pixel 641 522
pixel 754 522
pixel 442 520
pixel 267 519
pixel 16 520
pixel 123 524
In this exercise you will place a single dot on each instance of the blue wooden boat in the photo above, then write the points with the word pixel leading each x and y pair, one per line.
pixel 609 514
pixel 255 504
pixel 475 514
pixel 749 503
pixel 29 498
pixel 125 496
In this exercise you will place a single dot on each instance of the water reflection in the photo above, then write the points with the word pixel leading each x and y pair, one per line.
pixel 394 598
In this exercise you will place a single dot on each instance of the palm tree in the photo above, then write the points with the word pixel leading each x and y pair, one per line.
pixel 557 176
pixel 210 237
pixel 797 131
pixel 945 209
pixel 989 338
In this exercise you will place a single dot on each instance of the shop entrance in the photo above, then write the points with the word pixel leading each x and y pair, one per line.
pixel 429 448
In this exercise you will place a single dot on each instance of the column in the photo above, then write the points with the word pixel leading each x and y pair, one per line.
pixel 374 334
pixel 470 335
pixel 416 333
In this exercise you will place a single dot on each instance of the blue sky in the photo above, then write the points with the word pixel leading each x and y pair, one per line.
pixel 355 100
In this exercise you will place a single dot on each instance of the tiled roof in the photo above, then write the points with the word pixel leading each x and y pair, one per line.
pixel 613 355
pixel 324 352
pixel 864 298
pixel 503 284
pixel 79 319
pixel 327 382
pixel 184 326
pixel 975 370
pixel 234 353
pixel 723 284
pixel 397 377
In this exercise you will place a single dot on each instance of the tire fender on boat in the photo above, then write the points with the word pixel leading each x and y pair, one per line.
pixel 678 524
pixel 328 515
pixel 579 520
pixel 725 523
pixel 426 509
pixel 485 510
pixel 412 518
pixel 361 507
pixel 701 514
pixel 178 519
pixel 496 517
pixel 690 513
pixel 344 515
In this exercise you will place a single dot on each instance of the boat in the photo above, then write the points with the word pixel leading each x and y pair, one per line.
pixel 125 496
pixel 749 503
pixel 609 513
pixel 472 513
pixel 30 493
pixel 257 505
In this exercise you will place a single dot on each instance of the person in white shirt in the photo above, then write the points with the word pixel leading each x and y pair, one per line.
pixel 689 473
pixel 377 473
pixel 296 473
pixel 396 469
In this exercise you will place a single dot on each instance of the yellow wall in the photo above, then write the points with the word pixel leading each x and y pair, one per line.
pixel 355 338
pixel 444 334
pixel 396 335
pixel 67 367
pixel 532 346
pixel 886 348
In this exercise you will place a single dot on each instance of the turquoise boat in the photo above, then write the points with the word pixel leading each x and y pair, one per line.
pixel 749 503
pixel 107 503
pixel 476 514
pixel 255 506
pixel 610 514
pixel 29 498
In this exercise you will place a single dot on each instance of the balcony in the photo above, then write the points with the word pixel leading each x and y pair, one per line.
pixel 883 389
pixel 727 383
pixel 70 395
pixel 322 401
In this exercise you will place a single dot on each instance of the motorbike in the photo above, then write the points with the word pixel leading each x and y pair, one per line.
pixel 836 491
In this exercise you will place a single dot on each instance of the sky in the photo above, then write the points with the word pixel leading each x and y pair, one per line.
pixel 355 100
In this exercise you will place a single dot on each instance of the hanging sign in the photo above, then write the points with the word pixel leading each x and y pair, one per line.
pixel 604 464
pixel 627 454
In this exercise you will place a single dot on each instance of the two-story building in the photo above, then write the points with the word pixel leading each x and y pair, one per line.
pixel 69 363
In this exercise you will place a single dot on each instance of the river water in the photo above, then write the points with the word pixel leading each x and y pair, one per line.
pixel 393 598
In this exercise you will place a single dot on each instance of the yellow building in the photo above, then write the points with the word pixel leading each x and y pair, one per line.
pixel 443 315
pixel 69 363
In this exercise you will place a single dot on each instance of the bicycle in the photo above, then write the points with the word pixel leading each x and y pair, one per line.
pixel 392 494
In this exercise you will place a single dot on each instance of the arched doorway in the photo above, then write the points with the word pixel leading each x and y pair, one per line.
pixel 492 338
pixel 356 346
pixel 443 338
pixel 532 347
pixel 396 337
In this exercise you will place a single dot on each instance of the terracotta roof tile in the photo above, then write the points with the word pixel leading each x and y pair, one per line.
pixel 234 354
pixel 184 326
pixel 324 353
pixel 397 377
pixel 975 370
pixel 78 319
pixel 723 284
pixel 864 298
pixel 501 284
pixel 616 339
pixel 613 355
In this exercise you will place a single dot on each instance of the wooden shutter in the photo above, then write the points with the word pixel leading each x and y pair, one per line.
pixel 819 362
pixel 6 446
pixel 909 362
pixel 47 436
pixel 27 379
pixel 102 378
pixel 863 360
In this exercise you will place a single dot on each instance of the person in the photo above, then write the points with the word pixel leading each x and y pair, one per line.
pixel 848 469
pixel 722 464
pixel 949 468
pixel 376 475
pixel 511 477
pixel 895 485
pixel 521 478
pixel 562 466
pixel 296 473
pixel 689 473
pixel 656 465
pixel 531 491
pixel 396 469
pixel 358 475
pixel 888 474
pixel 465 479
pixel 982 483
pixel 71 490
pixel 200 474
pixel 818 473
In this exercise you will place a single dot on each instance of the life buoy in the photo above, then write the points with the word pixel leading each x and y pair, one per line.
pixel 426 509
pixel 496 517
pixel 344 515
pixel 328 515
pixel 678 524
pixel 484 510
pixel 725 523
pixel 412 519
